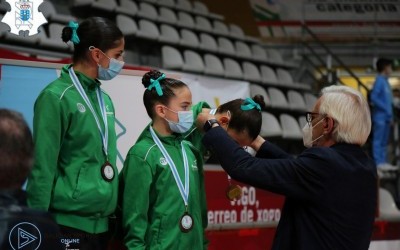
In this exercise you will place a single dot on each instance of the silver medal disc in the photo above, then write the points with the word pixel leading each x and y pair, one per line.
pixel 107 171
pixel 186 223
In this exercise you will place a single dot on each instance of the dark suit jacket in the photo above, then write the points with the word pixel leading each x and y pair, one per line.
pixel 331 192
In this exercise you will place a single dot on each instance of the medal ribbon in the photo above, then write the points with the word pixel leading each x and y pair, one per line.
pixel 78 86
pixel 184 190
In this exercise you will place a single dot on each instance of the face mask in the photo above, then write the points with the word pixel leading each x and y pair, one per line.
pixel 113 70
pixel 307 135
pixel 185 121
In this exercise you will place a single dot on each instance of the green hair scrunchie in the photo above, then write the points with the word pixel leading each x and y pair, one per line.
pixel 156 84
pixel 250 104
pixel 74 26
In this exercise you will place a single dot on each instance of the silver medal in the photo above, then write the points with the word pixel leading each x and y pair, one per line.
pixel 186 223
pixel 107 172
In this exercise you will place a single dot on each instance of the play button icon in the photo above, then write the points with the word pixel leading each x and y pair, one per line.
pixel 24 238
pixel 25 235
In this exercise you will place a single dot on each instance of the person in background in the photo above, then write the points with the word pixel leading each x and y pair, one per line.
pixel 75 176
pixel 16 159
pixel 382 114
pixel 330 188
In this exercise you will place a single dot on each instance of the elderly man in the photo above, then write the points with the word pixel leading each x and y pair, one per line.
pixel 20 226
pixel 330 189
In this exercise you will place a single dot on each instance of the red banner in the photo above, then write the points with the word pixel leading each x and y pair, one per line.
pixel 246 216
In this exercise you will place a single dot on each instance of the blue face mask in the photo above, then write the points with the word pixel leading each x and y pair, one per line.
pixel 114 68
pixel 185 121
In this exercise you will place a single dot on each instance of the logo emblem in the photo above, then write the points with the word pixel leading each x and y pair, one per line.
pixel 24 234
pixel 194 165
pixel 108 112
pixel 80 107
pixel 163 161
pixel 24 16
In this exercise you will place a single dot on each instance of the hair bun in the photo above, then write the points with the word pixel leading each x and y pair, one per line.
pixel 259 99
pixel 153 74
pixel 66 34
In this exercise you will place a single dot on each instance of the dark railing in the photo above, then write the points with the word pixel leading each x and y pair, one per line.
pixel 314 37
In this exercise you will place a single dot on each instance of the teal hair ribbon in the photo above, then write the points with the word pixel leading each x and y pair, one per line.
pixel 250 104
pixel 74 26
pixel 156 84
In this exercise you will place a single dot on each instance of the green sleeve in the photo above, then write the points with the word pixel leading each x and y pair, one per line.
pixel 194 135
pixel 198 108
pixel 47 135
pixel 195 138
pixel 137 178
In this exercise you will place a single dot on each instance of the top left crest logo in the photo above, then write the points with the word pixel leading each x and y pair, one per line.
pixel 24 16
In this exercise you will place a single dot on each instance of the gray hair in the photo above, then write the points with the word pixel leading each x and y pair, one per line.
pixel 351 113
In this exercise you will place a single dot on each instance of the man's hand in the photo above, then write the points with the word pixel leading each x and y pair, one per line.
pixel 202 118
pixel 256 144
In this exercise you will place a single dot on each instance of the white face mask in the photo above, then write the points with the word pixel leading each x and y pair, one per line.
pixel 113 69
pixel 185 121
pixel 307 135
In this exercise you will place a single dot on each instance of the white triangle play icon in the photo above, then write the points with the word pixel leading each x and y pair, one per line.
pixel 24 238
